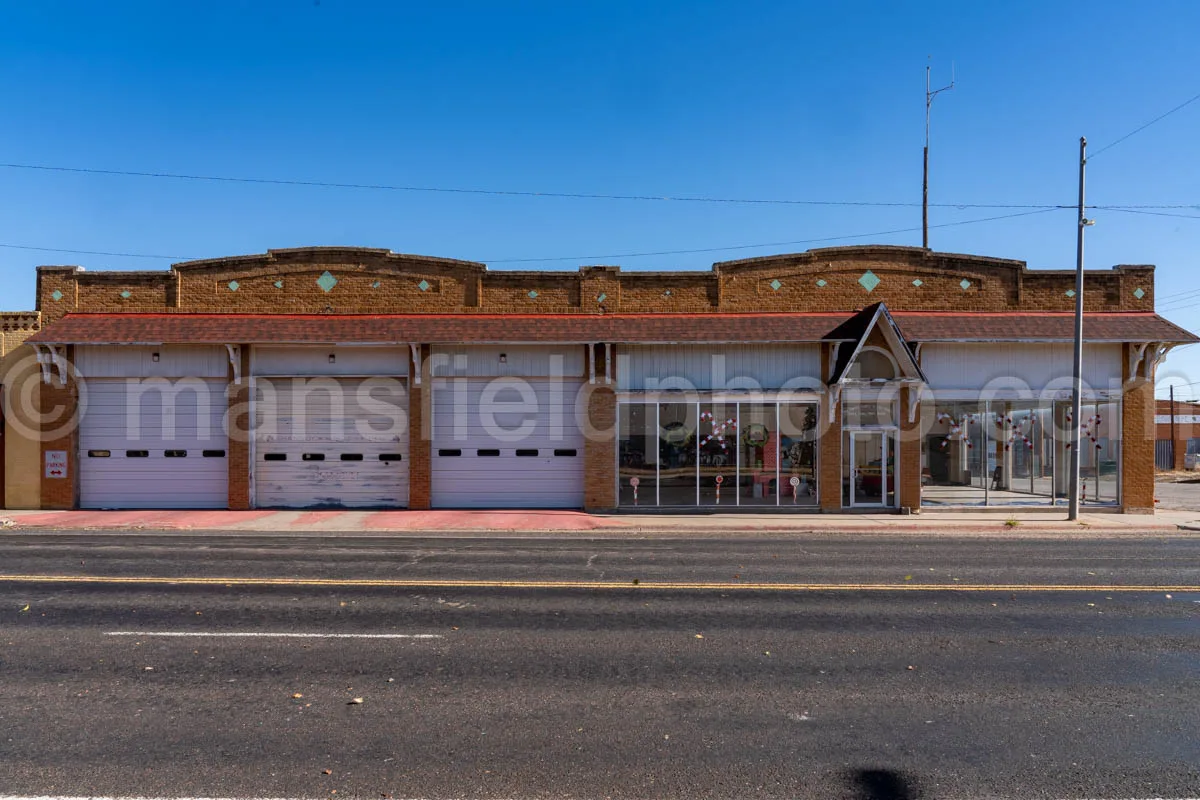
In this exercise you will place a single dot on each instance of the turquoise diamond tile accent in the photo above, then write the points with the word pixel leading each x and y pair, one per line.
pixel 1139 293
pixel 965 284
pixel 1070 292
pixel 667 293
pixel 327 282
pixel 869 281
pixel 278 284
pixel 602 297
pixel 126 294
pixel 776 284
pixel 57 295
pixel 233 286
pixel 918 283
pixel 375 285
pixel 822 283
pixel 533 294
pixel 423 286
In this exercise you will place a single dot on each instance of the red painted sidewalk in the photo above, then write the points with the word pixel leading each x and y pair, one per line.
pixel 549 522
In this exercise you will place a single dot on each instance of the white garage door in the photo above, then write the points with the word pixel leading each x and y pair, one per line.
pixel 506 443
pixel 331 442
pixel 154 444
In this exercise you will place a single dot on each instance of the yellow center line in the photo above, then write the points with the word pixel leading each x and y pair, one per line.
pixel 651 585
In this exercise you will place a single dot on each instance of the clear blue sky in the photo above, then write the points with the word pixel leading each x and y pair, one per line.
pixel 748 100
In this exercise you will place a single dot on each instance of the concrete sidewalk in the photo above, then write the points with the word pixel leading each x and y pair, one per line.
pixel 568 522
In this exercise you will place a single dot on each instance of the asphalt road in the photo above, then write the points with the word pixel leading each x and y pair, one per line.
pixel 1181 495
pixel 527 690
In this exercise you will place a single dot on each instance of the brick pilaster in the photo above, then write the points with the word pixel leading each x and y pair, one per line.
pixel 241 430
pixel 58 410
pixel 909 458
pixel 1137 443
pixel 829 447
pixel 600 449
pixel 420 434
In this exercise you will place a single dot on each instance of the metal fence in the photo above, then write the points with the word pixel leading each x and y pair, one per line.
pixel 1164 454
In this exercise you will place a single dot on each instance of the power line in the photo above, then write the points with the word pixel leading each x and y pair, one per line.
pixel 575 195
pixel 1137 130
pixel 1150 213
pixel 508 192
pixel 768 244
pixel 1128 207
pixel 8 246
pixel 92 252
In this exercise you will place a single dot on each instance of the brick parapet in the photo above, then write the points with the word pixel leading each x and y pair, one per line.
pixel 376 281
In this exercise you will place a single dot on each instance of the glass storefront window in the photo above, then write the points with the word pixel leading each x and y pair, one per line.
pixel 637 454
pixel 1019 454
pixel 1098 455
pixel 798 453
pixel 718 443
pixel 677 454
pixel 868 413
pixel 758 442
pixel 953 456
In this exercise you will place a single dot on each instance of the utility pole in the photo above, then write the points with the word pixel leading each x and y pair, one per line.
pixel 925 182
pixel 1077 367
pixel 1172 427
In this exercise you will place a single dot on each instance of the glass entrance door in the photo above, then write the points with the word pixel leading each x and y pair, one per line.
pixel 871 480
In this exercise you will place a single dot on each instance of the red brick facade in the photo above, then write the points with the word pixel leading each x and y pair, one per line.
pixel 377 281
pixel 929 294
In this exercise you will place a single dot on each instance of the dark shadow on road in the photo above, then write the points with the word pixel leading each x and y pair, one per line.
pixel 881 784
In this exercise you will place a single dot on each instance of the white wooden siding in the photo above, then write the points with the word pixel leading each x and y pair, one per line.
pixel 331 420
pixel 348 360
pixel 716 367
pixel 487 455
pixel 174 361
pixel 483 361
pixel 973 366
pixel 122 419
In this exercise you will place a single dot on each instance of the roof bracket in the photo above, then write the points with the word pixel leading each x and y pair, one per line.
pixel 235 361
pixel 1136 354
pixel 835 395
pixel 1160 352
pixel 43 359
pixel 59 354
pixel 416 357
pixel 49 356
pixel 915 391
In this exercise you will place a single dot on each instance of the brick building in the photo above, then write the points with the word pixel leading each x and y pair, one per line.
pixel 1186 435
pixel 834 379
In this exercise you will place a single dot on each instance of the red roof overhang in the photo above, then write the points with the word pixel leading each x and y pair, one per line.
pixel 661 328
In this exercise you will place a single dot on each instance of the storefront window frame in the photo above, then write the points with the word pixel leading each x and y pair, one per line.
pixel 736 401
pixel 1060 435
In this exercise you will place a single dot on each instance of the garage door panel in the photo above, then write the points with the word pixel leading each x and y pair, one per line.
pixel 303 433
pixel 500 478
pixel 171 421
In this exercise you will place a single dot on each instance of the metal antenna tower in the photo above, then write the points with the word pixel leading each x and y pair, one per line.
pixel 929 95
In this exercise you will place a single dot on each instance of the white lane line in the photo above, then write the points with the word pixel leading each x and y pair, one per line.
pixel 266 635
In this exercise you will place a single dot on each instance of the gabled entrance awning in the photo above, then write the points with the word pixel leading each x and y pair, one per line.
pixel 872 323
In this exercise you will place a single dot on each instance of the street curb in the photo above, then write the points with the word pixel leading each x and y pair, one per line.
pixel 980 533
